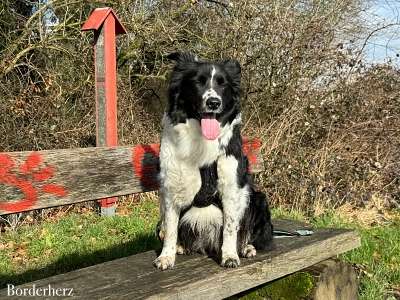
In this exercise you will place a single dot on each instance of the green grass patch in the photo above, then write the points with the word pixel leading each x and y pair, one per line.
pixel 75 241
pixel 296 286
pixel 378 258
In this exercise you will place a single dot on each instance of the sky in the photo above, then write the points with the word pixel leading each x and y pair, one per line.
pixel 384 45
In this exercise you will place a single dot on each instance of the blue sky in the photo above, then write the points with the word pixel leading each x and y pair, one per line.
pixel 385 44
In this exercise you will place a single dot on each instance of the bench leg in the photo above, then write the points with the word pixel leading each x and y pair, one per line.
pixel 107 206
pixel 334 279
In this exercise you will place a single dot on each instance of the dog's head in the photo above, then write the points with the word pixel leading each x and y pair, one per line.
pixel 203 90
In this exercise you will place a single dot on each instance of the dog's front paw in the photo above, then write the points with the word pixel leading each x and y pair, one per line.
pixel 230 261
pixel 249 251
pixel 164 262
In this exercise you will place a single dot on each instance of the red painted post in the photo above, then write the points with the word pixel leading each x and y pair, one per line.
pixel 106 26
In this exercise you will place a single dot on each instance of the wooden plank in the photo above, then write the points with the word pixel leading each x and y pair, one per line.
pixel 32 180
pixel 197 277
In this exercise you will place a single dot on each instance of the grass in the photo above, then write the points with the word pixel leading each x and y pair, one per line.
pixel 77 240
pixel 296 286
pixel 378 258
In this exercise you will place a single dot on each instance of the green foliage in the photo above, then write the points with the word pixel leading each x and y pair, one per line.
pixel 293 287
pixel 13 14
pixel 379 261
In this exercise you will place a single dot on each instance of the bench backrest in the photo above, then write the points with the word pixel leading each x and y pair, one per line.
pixel 42 179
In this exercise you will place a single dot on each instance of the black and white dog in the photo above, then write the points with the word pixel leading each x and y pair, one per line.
pixel 208 203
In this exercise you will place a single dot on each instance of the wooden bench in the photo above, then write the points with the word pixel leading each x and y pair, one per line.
pixel 34 180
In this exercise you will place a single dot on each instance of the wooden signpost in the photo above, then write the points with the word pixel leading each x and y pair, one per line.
pixel 106 26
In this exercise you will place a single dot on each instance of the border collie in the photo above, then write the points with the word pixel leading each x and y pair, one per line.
pixel 208 203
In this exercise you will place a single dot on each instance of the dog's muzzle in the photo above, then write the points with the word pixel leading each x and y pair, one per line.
pixel 213 104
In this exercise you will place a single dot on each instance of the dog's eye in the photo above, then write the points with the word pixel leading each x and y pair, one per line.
pixel 202 80
pixel 220 80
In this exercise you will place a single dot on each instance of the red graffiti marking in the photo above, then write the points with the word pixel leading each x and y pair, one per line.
pixel 45 173
pixel 147 170
pixel 250 149
pixel 30 173
pixel 32 161
pixel 54 189
pixel 144 167
pixel 107 202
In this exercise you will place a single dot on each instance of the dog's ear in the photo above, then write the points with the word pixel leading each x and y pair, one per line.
pixel 183 57
pixel 232 67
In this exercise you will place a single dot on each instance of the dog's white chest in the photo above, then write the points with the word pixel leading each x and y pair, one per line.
pixel 186 143
pixel 183 151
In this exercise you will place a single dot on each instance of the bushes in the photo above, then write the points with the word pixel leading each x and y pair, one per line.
pixel 345 147
pixel 329 124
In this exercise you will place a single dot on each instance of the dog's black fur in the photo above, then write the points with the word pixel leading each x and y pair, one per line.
pixel 187 85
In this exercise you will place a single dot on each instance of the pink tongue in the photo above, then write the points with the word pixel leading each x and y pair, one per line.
pixel 210 128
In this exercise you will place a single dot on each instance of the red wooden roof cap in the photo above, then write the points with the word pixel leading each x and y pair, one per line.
pixel 97 18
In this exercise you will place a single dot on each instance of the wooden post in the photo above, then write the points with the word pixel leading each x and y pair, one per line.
pixel 334 280
pixel 106 26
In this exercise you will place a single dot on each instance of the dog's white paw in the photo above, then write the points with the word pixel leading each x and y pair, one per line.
pixel 164 262
pixel 230 261
pixel 249 251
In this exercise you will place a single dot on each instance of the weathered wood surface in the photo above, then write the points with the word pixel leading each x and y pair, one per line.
pixel 334 280
pixel 32 180
pixel 197 277
pixel 106 25
pixel 106 95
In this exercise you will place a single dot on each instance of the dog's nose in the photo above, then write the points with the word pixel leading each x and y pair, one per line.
pixel 213 103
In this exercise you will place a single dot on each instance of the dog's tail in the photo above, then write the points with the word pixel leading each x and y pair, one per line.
pixel 262 231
